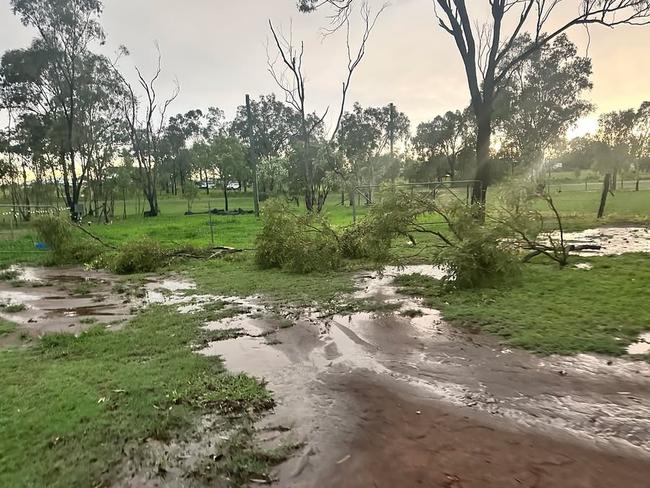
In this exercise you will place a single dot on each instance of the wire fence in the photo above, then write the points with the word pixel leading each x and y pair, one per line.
pixel 443 191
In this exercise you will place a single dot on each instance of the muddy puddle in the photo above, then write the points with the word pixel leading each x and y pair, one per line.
pixel 389 399
pixel 49 300
pixel 397 398
pixel 610 241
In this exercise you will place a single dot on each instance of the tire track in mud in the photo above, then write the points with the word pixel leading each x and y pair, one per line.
pixel 344 383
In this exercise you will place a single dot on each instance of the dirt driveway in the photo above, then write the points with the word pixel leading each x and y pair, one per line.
pixel 395 400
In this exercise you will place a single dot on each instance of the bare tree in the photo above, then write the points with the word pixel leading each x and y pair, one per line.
pixel 146 124
pixel 291 80
pixel 486 48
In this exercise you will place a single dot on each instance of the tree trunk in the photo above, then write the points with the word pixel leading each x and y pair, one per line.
pixel 452 167
pixel 153 205
pixel 225 195
pixel 614 182
pixel 483 138
pixel 603 198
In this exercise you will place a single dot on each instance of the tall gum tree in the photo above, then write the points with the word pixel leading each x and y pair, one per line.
pixel 485 43
pixel 287 70
pixel 67 31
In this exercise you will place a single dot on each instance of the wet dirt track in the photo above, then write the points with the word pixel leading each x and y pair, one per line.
pixel 405 441
pixel 391 401
pixel 398 399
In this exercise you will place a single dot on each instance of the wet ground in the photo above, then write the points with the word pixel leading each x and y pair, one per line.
pixel 398 398
pixel 612 240
pixel 73 299
pixel 401 399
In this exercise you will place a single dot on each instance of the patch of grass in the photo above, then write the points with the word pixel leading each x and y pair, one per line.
pixel 240 460
pixel 284 323
pixel 91 394
pixel 412 313
pixel 6 327
pixel 88 321
pixel 239 276
pixel 554 310
pixel 208 336
pixel 366 305
pixel 82 289
pixel 13 307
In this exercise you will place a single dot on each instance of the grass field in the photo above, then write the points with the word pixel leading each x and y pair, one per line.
pixel 173 228
pixel 551 310
pixel 71 404
pixel 84 398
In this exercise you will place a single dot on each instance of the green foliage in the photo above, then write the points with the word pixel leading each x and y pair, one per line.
pixel 298 243
pixel 475 254
pixel 355 240
pixel 143 255
pixel 553 310
pixel 57 232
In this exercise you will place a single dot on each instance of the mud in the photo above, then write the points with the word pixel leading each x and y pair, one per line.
pixel 73 299
pixel 407 441
pixel 389 400
pixel 395 399
pixel 612 240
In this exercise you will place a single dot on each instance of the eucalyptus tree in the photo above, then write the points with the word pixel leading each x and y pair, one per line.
pixel 67 32
pixel 145 116
pixel 287 70
pixel 275 126
pixel 541 100
pixel 364 136
pixel 641 140
pixel 616 131
pixel 181 130
pixel 442 141
pixel 229 160
pixel 486 44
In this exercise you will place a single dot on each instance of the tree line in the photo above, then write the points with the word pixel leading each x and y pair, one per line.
pixel 80 132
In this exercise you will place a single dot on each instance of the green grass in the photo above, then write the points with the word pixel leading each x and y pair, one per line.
pixel 551 310
pixel 240 276
pixel 6 327
pixel 173 229
pixel 87 396
pixel 13 307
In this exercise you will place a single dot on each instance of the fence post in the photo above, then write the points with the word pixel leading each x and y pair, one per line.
pixel 603 198
pixel 211 224
pixel 11 225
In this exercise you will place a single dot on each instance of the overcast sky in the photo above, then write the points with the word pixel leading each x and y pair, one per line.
pixel 217 51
